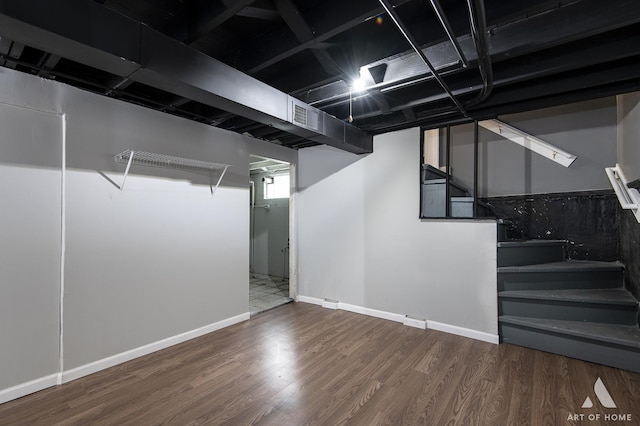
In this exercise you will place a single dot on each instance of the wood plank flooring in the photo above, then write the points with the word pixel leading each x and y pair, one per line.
pixel 302 364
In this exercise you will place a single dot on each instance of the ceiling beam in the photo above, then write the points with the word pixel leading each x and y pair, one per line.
pixel 47 62
pixel 215 17
pixel 544 66
pixel 259 13
pixel 10 50
pixel 329 21
pixel 303 32
pixel 158 61
pixel 508 41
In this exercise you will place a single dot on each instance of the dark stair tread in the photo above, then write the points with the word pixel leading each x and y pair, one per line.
pixel 565 266
pixel 531 243
pixel 622 335
pixel 612 296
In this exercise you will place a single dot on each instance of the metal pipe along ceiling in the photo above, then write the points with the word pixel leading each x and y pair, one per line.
pixel 477 23
pixel 478 27
pixel 414 45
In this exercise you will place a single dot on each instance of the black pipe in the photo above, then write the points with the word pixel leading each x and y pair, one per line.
pixel 447 29
pixel 478 29
pixel 414 45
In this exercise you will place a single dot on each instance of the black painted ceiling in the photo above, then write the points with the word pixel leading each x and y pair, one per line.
pixel 526 54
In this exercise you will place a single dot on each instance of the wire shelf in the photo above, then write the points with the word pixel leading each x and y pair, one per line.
pixel 142 158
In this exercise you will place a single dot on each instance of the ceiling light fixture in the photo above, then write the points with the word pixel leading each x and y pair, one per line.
pixel 359 85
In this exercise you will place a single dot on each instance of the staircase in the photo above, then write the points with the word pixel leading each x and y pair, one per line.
pixel 434 195
pixel 575 308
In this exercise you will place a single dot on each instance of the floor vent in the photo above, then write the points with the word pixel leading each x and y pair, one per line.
pixel 415 322
pixel 330 304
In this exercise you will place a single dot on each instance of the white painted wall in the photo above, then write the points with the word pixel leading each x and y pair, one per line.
pixel 159 260
pixel 163 256
pixel 331 251
pixel 629 134
pixel 30 244
pixel 585 129
pixel 361 241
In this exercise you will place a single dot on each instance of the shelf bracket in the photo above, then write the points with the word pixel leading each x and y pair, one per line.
pixel 629 198
pixel 214 189
pixel 126 171
pixel 141 158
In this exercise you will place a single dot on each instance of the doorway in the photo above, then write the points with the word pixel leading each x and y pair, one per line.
pixel 269 204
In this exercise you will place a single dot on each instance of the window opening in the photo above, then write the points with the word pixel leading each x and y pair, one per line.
pixel 276 186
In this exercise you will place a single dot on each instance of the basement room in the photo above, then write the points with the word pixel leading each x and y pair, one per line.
pixel 288 212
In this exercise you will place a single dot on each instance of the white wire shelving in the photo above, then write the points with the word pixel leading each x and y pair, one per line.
pixel 150 159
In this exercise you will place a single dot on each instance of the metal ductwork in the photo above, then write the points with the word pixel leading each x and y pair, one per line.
pixel 88 33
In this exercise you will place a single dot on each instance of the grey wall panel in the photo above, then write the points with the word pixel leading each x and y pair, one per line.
pixel 361 241
pixel 629 134
pixel 330 210
pixel 162 257
pixel 586 129
pixel 629 159
pixel 30 244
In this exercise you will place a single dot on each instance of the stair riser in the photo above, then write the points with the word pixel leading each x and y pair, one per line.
pixel 508 281
pixel 530 255
pixel 571 311
pixel 611 355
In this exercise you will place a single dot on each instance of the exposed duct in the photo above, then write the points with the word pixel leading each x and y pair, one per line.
pixel 116 44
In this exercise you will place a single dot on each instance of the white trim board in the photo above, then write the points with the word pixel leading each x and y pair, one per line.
pixel 27 388
pixel 105 363
pixel 23 389
pixel 408 321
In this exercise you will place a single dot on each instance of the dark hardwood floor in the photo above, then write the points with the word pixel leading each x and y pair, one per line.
pixel 302 364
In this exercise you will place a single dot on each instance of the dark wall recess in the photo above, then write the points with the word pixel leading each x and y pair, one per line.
pixel 589 220
pixel 630 251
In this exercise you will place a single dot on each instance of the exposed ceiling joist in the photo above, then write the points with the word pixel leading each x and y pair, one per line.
pixel 153 59
pixel 540 53
pixel 330 21
pixel 217 17
pixel 304 33
pixel 508 41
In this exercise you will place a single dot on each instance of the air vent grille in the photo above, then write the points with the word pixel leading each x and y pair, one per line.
pixel 300 115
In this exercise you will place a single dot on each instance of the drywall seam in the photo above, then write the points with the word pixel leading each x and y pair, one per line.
pixel 63 232
pixel 116 359
pixel 433 325
pixel 293 232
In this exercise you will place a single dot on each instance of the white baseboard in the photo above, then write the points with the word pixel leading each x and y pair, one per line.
pixel 329 304
pixel 415 322
pixel 311 300
pixel 464 332
pixel 371 312
pixel 102 364
pixel 27 388
pixel 411 322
